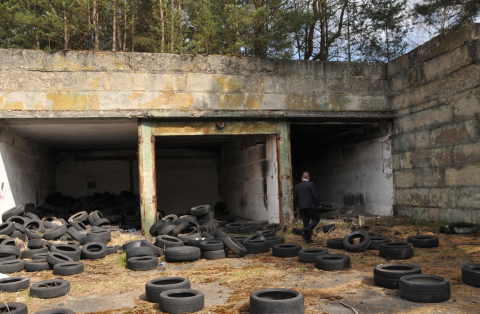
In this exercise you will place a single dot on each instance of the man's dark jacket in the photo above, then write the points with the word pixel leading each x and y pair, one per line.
pixel 305 195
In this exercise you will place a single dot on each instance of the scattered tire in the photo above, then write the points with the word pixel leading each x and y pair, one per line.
pixel 103 233
pixel 200 210
pixel 36 244
pixel 131 244
pixel 277 300
pixel 273 226
pixel 234 227
pixel 156 228
pixel 336 243
pixel 49 289
pixel 56 311
pixel 376 241
pixel 79 226
pixel 396 250
pixel 182 254
pixel 14 211
pixel 14 284
pixel 235 246
pixel 13 308
pixel 57 258
pixel 29 253
pixel 269 233
pixel 275 240
pixel 68 269
pixel 471 274
pixel 37 265
pixel 308 255
pixel 248 229
pixel 388 276
pixel 349 245
pixel 6 250
pixel 179 301
pixel 71 251
pixel 94 250
pixel 256 246
pixel 286 249
pixel 165 242
pixel 7 228
pixel 297 231
pixel 424 288
pixel 423 241
pixel 211 245
pixel 220 233
pixel 154 287
pixel 14 266
pixel 80 217
pixel 171 218
pixel 463 228
pixel 156 250
pixel 55 233
pixel 114 249
pixel 40 256
pixel 139 251
pixel 35 225
pixel 214 254
pixel 332 262
pixel 142 263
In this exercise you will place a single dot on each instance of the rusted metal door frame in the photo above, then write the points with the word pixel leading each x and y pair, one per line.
pixel 148 129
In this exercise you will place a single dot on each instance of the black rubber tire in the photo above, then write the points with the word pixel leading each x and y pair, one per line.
pixel 209 255
pixel 248 229
pixel 68 269
pixel 208 226
pixel 156 250
pixel 331 262
pixel 154 287
pixel 182 254
pixel 102 233
pixel 6 250
pixel 71 251
pixel 179 301
pixel 297 231
pixel 15 266
pixel 29 253
pixel 8 258
pixel 207 235
pixel 79 217
pixel 14 284
pixel 131 244
pixel 79 226
pixel 56 311
pixel 388 275
pixel 255 237
pixel 19 220
pixel 234 227
pixel 142 263
pixel 277 300
pixel 463 228
pixel 139 251
pixel 114 249
pixel 13 308
pixel 167 229
pixel 55 233
pixel 376 241
pixel 94 250
pixel 165 242
pixel 180 228
pixel 170 218
pixel 211 245
pixel 308 255
pixel 396 250
pixel 40 257
pixel 36 244
pixel 37 265
pixel 200 210
pixel 35 225
pixel 101 222
pixel 235 246
pixel 75 234
pixel 336 243
pixel 360 247
pixel 286 249
pixel 257 246
pixel 49 289
pixel 19 234
pixel 269 233
pixel 423 241
pixel 7 228
pixel 471 274
pixel 157 227
pixel 57 258
pixel 93 238
pixel 275 240
pixel 219 233
pixel 14 211
pixel 424 288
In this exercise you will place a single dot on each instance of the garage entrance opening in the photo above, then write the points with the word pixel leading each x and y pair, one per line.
pixel 350 163
pixel 239 170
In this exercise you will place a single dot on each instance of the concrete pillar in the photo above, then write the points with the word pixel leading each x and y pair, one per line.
pixel 285 172
pixel 146 164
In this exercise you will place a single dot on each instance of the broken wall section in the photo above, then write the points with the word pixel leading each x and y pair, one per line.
pixel 249 180
pixel 435 90
pixel 27 171
pixel 353 169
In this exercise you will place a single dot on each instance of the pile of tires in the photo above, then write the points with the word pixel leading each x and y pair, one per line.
pixel 388 275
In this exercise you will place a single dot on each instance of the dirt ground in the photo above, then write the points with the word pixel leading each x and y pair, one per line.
pixel 106 286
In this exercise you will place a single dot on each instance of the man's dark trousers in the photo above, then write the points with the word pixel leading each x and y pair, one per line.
pixel 306 198
pixel 306 215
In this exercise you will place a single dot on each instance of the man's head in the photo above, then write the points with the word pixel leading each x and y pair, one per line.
pixel 306 176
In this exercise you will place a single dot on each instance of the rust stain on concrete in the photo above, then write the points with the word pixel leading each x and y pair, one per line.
pixel 254 101
pixel 227 84
pixel 94 101
pixel 68 101
pixel 10 105
pixel 96 83
pixel 206 128
pixel 230 101
pixel 178 101
pixel 40 106
pixel 135 95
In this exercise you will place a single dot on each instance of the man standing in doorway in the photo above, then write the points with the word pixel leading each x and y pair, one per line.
pixel 306 198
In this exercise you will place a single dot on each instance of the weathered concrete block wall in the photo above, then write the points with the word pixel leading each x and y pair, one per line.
pixel 166 84
pixel 73 176
pixel 353 169
pixel 186 178
pixel 250 181
pixel 27 171
pixel 435 90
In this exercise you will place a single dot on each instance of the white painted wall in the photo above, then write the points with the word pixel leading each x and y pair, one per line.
pixel 27 171
pixel 249 180
pixel 110 175
pixel 186 178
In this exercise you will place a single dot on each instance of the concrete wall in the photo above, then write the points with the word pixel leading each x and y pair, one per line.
pixel 352 169
pixel 27 171
pixel 249 179
pixel 186 178
pixel 435 91
pixel 148 84
pixel 86 172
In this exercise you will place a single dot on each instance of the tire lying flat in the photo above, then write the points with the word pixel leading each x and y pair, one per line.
pixel 277 300
pixel 49 289
pixel 13 307
pixel 180 301
pixel 424 288
pixel 423 241
pixel 388 275
pixel 154 287
pixel 308 255
pixel 331 262
pixel 396 250
pixel 471 274
pixel 14 284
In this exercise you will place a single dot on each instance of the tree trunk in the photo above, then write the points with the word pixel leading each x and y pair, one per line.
pixel 65 38
pixel 162 24
pixel 37 41
pixel 133 25
pixel 180 24
pixel 173 26
pixel 114 24
pixel 95 24
pixel 125 34
pixel 119 32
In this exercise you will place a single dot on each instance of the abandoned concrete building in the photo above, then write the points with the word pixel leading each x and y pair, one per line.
pixel 182 130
